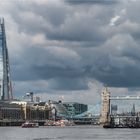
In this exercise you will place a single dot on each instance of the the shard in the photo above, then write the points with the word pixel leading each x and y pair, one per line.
pixel 5 82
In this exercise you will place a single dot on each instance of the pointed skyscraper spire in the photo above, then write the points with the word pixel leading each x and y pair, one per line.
pixel 5 82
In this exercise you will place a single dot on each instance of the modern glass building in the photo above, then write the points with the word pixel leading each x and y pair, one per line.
pixel 5 82
pixel 58 109
pixel 74 108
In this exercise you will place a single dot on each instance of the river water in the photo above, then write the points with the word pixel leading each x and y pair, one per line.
pixel 68 133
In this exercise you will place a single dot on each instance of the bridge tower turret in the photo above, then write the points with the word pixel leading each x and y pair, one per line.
pixel 105 110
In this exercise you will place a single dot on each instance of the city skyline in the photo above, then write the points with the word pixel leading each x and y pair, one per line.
pixel 68 49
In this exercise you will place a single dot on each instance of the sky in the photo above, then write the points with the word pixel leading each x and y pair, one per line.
pixel 69 49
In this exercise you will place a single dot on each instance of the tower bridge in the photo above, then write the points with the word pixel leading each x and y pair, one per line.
pixel 106 99
pixel 124 97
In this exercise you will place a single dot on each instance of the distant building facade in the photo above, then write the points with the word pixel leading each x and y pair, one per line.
pixel 10 111
pixel 20 110
pixel 74 108
pixel 39 111
pixel 114 109
pixel 58 110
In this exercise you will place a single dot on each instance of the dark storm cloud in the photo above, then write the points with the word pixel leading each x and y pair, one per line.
pixel 67 83
pixel 119 77
pixel 92 1
pixel 50 72
pixel 62 55
pixel 64 23
pixel 50 64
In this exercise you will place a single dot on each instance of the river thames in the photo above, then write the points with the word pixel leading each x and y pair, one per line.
pixel 68 133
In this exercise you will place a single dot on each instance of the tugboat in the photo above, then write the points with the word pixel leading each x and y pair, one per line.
pixel 30 125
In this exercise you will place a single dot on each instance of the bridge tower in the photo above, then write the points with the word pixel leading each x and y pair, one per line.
pixel 105 110
pixel 5 82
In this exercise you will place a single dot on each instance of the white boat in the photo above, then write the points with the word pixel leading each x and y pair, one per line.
pixel 62 122
pixel 29 125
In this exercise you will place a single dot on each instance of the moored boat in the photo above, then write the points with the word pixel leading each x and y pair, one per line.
pixel 29 125
pixel 62 122
pixel 133 125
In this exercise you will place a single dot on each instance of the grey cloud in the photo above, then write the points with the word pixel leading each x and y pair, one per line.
pixel 59 23
pixel 73 83
pixel 68 64
pixel 121 79
pixel 106 2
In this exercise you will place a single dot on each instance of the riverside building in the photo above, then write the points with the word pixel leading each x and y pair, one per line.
pixel 74 108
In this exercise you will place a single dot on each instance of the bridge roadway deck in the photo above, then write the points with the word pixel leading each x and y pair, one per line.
pixel 124 98
pixel 124 117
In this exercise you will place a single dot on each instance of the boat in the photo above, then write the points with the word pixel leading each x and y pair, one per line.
pixel 131 125
pixel 62 122
pixel 114 126
pixel 29 125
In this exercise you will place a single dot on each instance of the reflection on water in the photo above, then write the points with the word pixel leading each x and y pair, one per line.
pixel 68 133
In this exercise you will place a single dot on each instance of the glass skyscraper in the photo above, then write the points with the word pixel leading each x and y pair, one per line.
pixel 5 82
